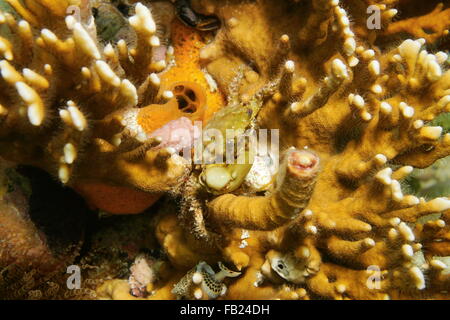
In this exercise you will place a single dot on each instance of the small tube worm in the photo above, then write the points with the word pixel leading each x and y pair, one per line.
pixel 293 189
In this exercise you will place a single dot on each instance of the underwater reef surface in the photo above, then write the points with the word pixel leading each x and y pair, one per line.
pixel 102 101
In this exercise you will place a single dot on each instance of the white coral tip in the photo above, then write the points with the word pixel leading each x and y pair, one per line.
pixel 168 95
pixel 418 124
pixel 407 111
pixel 431 133
pixel 391 13
pixel 418 277
pixel 130 91
pixel 374 68
pixel 444 101
pixel 70 153
pixel 64 173
pixel 36 114
pixel 397 194
pixel 366 116
pixel 377 89
pixel 289 66
pixel 439 204
pixel 107 74
pixel 311 229
pixel 358 101
pixel 339 69
pixel 438 264
pixel 155 80
pixel 308 214
pixel 384 176
pixel 395 221
pixel 380 159
pixel 392 234
pixel 87 44
pixel 406 232
pixel 353 61
pixel 349 46
pixel 369 242
pixel 407 251
pixel 386 107
pixel 48 36
pixel 434 71
pixel 441 57
pixel 77 117
pixel 368 54
pixel 341 288
pixel 154 41
pixel 411 200
pixel 70 22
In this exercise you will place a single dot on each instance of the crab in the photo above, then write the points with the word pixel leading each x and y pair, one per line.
pixel 214 177
pixel 215 180
pixel 225 132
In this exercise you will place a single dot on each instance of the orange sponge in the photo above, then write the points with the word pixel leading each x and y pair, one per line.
pixel 115 199
pixel 187 44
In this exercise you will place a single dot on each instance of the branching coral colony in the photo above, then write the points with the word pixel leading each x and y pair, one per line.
pixel 353 116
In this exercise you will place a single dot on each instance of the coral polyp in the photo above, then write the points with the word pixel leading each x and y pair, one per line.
pixel 152 109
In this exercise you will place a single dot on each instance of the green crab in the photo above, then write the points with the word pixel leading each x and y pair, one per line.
pixel 225 137
pixel 211 178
